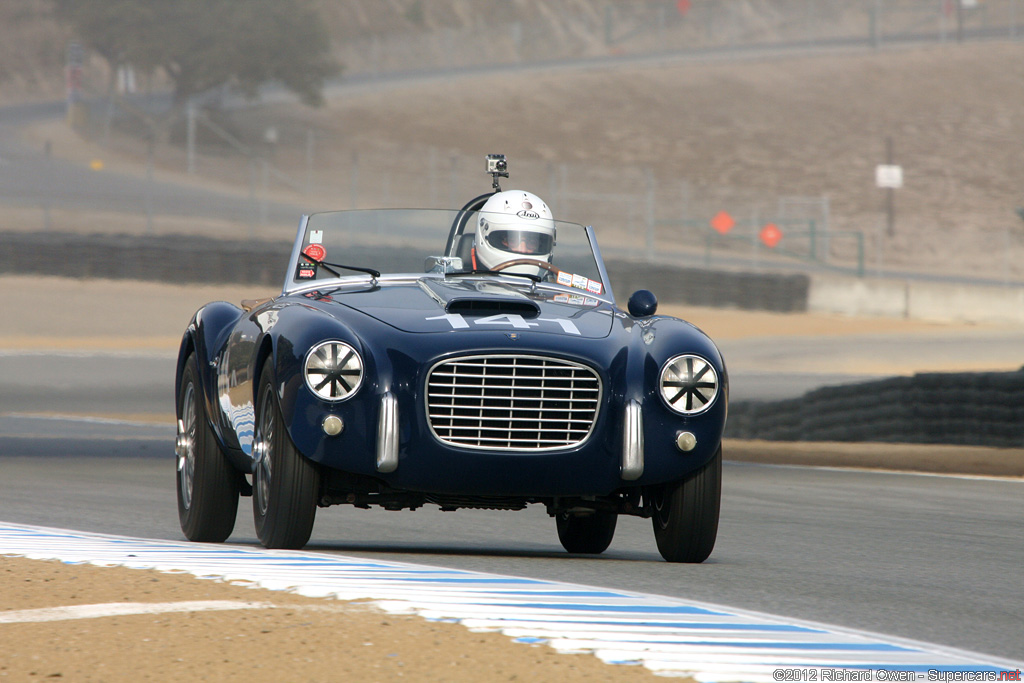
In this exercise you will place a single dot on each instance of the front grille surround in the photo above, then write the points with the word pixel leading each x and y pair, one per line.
pixel 512 402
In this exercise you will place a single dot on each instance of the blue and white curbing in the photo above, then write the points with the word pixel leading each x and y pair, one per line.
pixel 667 635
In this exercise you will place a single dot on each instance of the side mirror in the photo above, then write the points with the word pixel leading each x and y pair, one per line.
pixel 643 303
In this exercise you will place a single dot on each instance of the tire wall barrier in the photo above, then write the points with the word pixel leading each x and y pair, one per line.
pixel 163 258
pixel 963 408
pixel 176 258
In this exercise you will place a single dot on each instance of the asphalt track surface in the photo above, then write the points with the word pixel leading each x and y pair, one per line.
pixel 936 559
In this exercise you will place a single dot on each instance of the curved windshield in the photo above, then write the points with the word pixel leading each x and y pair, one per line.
pixel 361 244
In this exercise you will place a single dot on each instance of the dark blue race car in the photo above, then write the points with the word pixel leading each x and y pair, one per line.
pixel 464 359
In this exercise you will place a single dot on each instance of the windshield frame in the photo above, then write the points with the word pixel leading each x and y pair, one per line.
pixel 583 239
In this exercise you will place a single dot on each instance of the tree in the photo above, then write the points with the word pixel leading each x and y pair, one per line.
pixel 205 44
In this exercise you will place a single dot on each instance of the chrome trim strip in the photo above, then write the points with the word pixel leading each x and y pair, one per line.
pixel 632 442
pixel 359 282
pixel 387 434
pixel 294 258
pixel 602 271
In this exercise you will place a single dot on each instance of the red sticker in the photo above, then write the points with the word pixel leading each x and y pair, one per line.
pixel 315 252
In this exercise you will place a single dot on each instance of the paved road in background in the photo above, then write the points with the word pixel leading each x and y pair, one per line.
pixel 31 179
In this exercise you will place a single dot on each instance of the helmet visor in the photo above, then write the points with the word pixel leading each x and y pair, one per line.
pixel 520 241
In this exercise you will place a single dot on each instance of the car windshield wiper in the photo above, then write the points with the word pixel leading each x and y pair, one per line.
pixel 487 271
pixel 331 267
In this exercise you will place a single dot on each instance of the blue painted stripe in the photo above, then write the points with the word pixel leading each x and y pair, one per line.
pixel 839 647
pixel 692 625
pixel 630 609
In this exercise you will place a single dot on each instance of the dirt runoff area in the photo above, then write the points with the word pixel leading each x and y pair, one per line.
pixel 260 636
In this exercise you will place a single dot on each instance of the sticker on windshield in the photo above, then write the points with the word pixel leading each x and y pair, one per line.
pixel 315 251
pixel 579 282
pixel 316 236
pixel 305 271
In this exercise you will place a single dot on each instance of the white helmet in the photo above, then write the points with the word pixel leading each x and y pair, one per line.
pixel 512 225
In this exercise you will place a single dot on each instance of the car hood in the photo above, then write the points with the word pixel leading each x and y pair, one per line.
pixel 444 305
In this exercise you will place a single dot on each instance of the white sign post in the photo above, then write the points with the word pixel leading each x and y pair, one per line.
pixel 889 176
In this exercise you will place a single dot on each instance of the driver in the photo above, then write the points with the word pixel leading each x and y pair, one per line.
pixel 514 225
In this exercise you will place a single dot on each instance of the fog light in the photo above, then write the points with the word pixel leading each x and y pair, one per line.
pixel 686 441
pixel 333 425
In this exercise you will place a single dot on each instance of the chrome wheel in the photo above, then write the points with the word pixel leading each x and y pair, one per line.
pixel 262 451
pixel 185 447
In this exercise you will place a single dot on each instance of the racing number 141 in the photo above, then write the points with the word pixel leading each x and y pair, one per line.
pixel 514 320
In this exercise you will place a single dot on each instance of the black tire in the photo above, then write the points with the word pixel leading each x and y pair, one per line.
pixel 285 485
pixel 685 513
pixel 208 486
pixel 590 534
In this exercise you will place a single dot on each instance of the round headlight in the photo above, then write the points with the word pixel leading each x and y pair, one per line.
pixel 689 384
pixel 333 370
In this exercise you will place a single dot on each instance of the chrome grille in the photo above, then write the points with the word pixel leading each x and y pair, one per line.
pixel 509 402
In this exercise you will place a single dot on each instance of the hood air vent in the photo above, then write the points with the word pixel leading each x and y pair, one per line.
pixel 493 306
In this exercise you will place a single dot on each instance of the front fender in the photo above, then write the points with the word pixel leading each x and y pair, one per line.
pixel 295 331
pixel 662 338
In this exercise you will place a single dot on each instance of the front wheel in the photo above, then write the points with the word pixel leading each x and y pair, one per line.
pixel 685 513
pixel 208 486
pixel 590 534
pixel 285 484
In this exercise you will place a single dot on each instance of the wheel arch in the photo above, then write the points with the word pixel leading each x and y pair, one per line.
pixel 265 350
pixel 185 349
